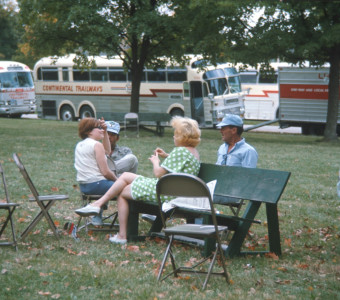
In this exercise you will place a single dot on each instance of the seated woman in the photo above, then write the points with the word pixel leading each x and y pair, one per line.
pixel 93 174
pixel 184 158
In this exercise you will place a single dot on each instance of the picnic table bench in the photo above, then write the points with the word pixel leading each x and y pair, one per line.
pixel 145 119
pixel 255 185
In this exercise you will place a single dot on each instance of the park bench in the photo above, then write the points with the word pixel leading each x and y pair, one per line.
pixel 255 186
pixel 145 120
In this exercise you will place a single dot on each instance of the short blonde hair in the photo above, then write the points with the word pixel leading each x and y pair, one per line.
pixel 187 132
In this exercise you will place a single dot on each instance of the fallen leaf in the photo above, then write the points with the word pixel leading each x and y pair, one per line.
pixel 44 293
pixel 133 248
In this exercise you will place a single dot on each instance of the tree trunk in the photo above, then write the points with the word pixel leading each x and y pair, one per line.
pixel 330 133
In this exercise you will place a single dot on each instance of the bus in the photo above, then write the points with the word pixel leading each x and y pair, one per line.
pixel 66 92
pixel 262 91
pixel 17 94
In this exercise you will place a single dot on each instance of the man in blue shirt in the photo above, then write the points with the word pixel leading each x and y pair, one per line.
pixel 235 151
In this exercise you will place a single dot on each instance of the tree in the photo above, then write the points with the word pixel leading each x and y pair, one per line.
pixel 139 31
pixel 9 30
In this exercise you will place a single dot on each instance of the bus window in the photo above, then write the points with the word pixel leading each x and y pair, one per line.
pixel 79 75
pixel 248 77
pixel 186 89
pixel 176 75
pixel 117 74
pixel 234 84
pixel 230 71
pixel 48 74
pixel 24 79
pixel 65 74
pixel 99 74
pixel 156 76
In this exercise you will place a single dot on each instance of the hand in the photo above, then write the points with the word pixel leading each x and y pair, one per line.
pixel 154 158
pixel 103 124
pixel 161 152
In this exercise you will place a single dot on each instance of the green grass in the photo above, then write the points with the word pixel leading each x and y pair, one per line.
pixel 45 268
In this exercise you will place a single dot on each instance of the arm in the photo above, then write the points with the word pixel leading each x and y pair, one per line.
pixel 102 163
pixel 106 141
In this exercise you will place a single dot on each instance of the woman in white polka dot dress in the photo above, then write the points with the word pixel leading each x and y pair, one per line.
pixel 184 158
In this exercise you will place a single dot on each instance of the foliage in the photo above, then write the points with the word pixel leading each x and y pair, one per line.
pixel 137 31
pixel 9 30
pixel 92 268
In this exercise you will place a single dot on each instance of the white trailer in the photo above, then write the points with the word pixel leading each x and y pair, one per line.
pixel 303 99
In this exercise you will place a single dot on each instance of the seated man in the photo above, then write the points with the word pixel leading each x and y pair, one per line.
pixel 121 158
pixel 235 151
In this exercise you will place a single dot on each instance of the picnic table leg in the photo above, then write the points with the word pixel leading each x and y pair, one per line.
pixel 209 243
pixel 273 229
pixel 234 247
pixel 132 228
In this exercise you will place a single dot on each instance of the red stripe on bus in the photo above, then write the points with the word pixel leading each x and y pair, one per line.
pixel 265 94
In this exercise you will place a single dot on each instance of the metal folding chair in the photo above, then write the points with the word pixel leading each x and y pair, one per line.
pixel 185 185
pixel 9 207
pixel 131 117
pixel 45 202
pixel 107 226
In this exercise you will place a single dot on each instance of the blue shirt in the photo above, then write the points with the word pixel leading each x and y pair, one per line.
pixel 242 155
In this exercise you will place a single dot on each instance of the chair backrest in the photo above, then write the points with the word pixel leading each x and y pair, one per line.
pixel 4 183
pixel 183 185
pixel 25 175
pixel 131 115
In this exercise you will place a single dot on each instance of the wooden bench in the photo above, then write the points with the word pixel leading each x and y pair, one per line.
pixel 145 119
pixel 257 186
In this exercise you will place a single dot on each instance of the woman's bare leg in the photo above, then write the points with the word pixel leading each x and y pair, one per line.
pixel 124 180
pixel 123 211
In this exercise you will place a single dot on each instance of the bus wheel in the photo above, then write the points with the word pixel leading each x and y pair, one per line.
pixel 86 112
pixel 66 113
pixel 177 112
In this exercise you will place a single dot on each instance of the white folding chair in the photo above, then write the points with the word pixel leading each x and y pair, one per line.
pixel 135 121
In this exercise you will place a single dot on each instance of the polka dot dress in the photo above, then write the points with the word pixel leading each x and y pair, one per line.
pixel 180 160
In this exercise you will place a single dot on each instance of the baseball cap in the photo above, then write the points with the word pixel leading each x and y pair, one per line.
pixel 230 119
pixel 112 126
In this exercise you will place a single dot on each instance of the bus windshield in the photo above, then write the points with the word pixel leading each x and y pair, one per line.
pixel 16 79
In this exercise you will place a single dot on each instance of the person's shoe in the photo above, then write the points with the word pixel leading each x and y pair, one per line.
pixel 116 240
pixel 97 220
pixel 149 218
pixel 88 210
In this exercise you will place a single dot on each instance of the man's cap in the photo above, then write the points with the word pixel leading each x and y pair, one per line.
pixel 113 127
pixel 230 120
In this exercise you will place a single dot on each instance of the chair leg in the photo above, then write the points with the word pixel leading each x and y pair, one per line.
pixel 43 212
pixel 165 258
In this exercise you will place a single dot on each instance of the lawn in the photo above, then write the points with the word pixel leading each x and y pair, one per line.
pixel 92 268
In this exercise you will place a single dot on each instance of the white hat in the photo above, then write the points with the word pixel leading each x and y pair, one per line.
pixel 112 126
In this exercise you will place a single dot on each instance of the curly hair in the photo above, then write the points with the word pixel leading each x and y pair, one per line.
pixel 86 125
pixel 187 132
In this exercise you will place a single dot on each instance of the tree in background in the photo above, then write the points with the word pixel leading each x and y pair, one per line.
pixel 9 30
pixel 138 31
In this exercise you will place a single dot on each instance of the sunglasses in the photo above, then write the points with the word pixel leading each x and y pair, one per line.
pixel 99 127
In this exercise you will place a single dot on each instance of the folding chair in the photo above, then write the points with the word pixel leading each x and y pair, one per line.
pixel 109 226
pixel 10 207
pixel 131 116
pixel 45 202
pixel 185 185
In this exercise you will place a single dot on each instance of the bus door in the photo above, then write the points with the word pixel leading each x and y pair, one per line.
pixel 197 102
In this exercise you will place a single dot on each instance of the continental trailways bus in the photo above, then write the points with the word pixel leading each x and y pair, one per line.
pixel 17 95
pixel 65 92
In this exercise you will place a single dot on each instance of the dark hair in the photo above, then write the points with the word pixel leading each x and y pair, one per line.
pixel 86 125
